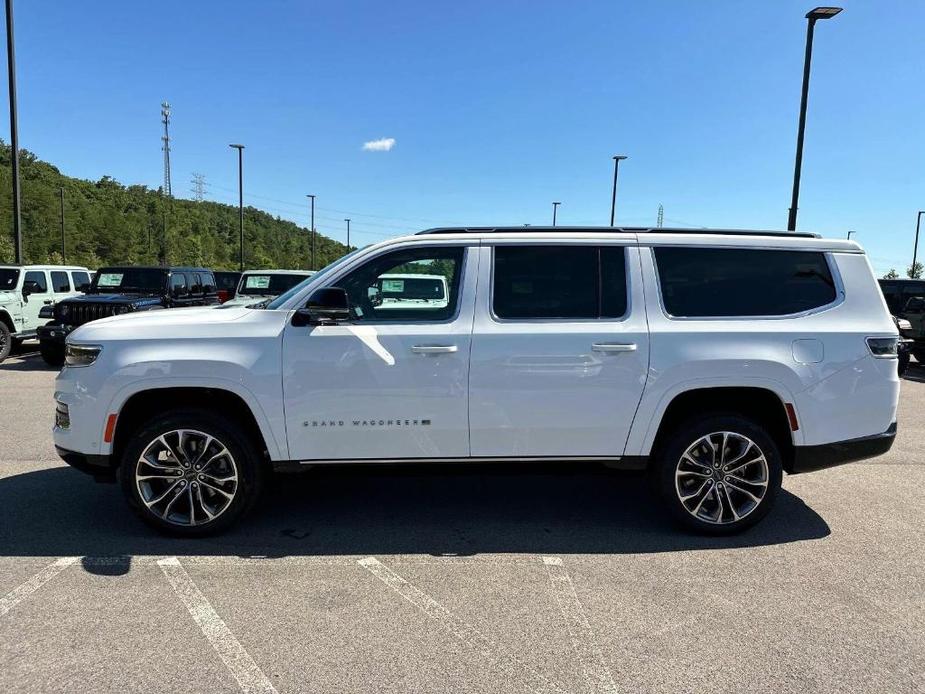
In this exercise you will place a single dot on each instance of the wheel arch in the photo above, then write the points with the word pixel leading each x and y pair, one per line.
pixel 7 320
pixel 144 404
pixel 761 404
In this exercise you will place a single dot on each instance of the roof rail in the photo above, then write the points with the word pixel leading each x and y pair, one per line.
pixel 617 230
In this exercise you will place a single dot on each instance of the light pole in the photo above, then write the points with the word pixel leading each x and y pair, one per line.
pixel 63 253
pixel 14 132
pixel 812 17
pixel 849 234
pixel 915 248
pixel 348 234
pixel 555 206
pixel 240 149
pixel 613 200
pixel 312 198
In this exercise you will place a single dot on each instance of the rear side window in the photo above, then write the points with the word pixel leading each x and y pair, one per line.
pixel 59 281
pixel 178 284
pixel 39 278
pixel 195 283
pixel 706 282
pixel 559 282
pixel 208 283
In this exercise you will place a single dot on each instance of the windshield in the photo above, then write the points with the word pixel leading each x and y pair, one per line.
pixel 8 279
pixel 128 279
pixel 227 280
pixel 257 284
pixel 283 298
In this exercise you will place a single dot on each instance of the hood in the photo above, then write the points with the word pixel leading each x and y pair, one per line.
pixel 180 324
pixel 134 299
pixel 249 299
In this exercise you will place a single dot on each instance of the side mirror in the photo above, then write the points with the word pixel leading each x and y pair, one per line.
pixel 29 287
pixel 326 306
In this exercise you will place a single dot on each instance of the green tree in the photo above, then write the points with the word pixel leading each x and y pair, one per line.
pixel 891 275
pixel 915 271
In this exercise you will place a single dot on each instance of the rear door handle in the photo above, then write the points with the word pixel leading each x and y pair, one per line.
pixel 614 346
pixel 434 349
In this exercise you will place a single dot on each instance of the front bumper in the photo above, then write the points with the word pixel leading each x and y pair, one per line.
pixel 55 333
pixel 810 458
pixel 100 467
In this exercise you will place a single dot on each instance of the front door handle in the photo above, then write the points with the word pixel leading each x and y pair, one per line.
pixel 434 349
pixel 614 346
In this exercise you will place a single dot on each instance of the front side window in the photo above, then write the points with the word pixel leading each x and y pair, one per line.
pixel 39 278
pixel 414 284
pixel 60 281
pixel 559 282
pixel 721 282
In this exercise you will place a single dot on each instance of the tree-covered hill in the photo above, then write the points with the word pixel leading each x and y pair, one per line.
pixel 107 222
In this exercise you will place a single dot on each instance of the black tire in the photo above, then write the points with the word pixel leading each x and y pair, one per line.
pixel 668 458
pixel 245 459
pixel 903 364
pixel 52 353
pixel 6 341
pixel 919 356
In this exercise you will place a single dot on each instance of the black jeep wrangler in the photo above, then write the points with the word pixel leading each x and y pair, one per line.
pixel 118 290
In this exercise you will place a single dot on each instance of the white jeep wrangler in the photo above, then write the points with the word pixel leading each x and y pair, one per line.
pixel 25 290
pixel 716 360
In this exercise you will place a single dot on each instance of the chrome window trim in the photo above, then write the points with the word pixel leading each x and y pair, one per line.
pixel 559 321
pixel 833 270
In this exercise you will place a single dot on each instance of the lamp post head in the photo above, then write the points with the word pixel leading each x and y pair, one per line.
pixel 823 13
pixel 237 146
pixel 619 157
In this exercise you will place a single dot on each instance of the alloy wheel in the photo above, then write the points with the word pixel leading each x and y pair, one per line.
pixel 721 478
pixel 186 477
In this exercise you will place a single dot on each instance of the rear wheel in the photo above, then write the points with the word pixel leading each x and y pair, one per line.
pixel 6 341
pixel 718 474
pixel 52 353
pixel 919 356
pixel 189 473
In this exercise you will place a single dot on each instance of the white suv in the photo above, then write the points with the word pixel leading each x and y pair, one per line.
pixel 25 290
pixel 716 360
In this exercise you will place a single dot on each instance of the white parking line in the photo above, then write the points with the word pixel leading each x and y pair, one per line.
pixel 24 590
pixel 593 667
pixel 249 676
pixel 466 633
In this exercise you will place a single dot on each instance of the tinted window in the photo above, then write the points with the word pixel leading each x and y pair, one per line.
pixel 8 278
pixel 387 287
pixel 227 280
pixel 80 279
pixel 559 282
pixel 178 284
pixel 129 279
pixel 208 283
pixel 256 284
pixel 195 283
pixel 59 281
pixel 699 282
pixel 39 278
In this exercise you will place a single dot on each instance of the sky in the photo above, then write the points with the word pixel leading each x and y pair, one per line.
pixel 407 115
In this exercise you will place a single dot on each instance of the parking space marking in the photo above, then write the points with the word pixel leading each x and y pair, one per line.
pixel 27 588
pixel 466 633
pixel 247 673
pixel 593 666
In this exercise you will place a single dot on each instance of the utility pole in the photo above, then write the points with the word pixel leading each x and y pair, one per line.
pixel 348 234
pixel 63 250
pixel 199 187
pixel 312 198
pixel 165 115
pixel 14 132
pixel 240 149
pixel 555 206
pixel 660 220
pixel 613 200
pixel 915 248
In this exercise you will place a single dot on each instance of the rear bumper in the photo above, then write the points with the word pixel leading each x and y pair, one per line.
pixel 100 467
pixel 810 458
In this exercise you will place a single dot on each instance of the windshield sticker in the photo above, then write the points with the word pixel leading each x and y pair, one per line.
pixel 257 282
pixel 110 279
pixel 393 286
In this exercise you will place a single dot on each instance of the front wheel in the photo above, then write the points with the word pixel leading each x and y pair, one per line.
pixel 6 341
pixel 718 474
pixel 52 353
pixel 189 473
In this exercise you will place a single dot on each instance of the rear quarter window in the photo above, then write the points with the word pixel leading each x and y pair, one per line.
pixel 726 282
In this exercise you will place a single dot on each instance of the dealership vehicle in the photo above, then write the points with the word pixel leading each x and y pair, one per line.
pixel 226 283
pixel 716 360
pixel 906 301
pixel 119 290
pixel 25 290
pixel 400 291
pixel 256 286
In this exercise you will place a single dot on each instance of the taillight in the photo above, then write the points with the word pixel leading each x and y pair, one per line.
pixel 222 296
pixel 883 347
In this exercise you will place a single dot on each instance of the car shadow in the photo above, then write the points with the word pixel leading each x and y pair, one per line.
pixel 25 357
pixel 437 510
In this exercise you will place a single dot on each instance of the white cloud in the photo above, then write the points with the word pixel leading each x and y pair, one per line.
pixel 383 144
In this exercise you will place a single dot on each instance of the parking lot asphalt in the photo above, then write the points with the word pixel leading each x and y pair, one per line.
pixel 458 579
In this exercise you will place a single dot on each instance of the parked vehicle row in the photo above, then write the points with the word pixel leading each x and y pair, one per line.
pixel 716 361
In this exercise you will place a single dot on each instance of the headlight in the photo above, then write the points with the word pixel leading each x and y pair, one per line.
pixel 883 347
pixel 903 324
pixel 81 355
